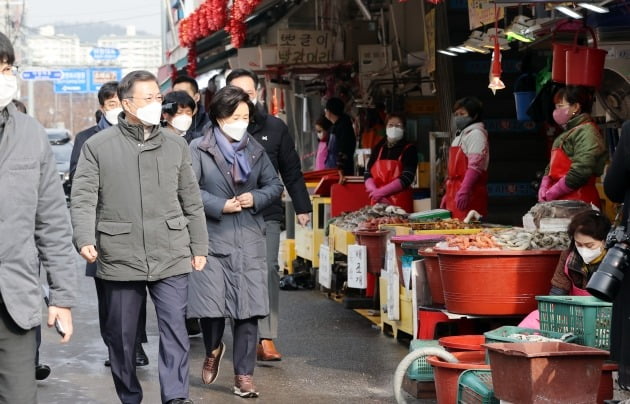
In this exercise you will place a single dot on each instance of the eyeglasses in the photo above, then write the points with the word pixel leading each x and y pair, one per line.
pixel 149 99
pixel 9 70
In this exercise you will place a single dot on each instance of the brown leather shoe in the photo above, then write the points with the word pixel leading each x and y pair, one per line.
pixel 266 351
pixel 210 369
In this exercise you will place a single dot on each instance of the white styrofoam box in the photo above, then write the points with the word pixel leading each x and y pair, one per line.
pixel 374 58
pixel 268 55
pixel 553 224
pixel 249 58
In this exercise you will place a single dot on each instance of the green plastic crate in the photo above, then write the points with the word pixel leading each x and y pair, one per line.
pixel 502 334
pixel 587 317
pixel 420 370
pixel 475 387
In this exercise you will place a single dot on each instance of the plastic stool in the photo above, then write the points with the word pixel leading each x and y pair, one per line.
pixel 428 320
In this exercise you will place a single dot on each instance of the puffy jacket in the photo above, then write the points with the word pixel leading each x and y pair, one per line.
pixel 273 135
pixel 138 201
pixel 584 145
pixel 34 222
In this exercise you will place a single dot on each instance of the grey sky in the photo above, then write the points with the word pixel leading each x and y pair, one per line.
pixel 144 14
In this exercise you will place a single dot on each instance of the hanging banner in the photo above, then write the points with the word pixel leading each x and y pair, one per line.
pixel 481 13
pixel 304 46
pixel 357 266
pixel 325 269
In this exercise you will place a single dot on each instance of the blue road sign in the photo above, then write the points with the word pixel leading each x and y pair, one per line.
pixel 104 53
pixel 101 75
pixel 41 74
pixel 72 81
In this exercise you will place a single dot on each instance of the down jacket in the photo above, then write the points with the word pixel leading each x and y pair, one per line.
pixel 234 282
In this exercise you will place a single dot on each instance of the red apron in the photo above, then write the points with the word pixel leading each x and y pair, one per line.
pixel 457 166
pixel 385 171
pixel 559 166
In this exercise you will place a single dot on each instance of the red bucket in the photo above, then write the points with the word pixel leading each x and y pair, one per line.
pixel 585 66
pixel 558 65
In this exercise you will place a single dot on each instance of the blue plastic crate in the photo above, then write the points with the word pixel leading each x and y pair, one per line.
pixel 420 370
pixel 474 386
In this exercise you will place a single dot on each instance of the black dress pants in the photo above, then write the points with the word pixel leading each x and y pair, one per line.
pixel 245 341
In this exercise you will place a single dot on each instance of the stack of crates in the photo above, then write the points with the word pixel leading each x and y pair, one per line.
pixel 587 317
pixel 474 386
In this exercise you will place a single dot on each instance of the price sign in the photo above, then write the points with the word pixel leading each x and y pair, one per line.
pixel 357 266
pixel 325 269
pixel 304 46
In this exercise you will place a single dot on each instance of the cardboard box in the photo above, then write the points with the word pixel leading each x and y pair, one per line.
pixel 249 58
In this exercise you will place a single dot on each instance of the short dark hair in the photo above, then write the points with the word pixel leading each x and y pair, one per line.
pixel 236 73
pixel 472 105
pixel 125 87
pixel 324 123
pixel 98 114
pixel 225 102
pixel 591 223
pixel 19 105
pixel 335 106
pixel 187 79
pixel 7 54
pixel 176 99
pixel 578 94
pixel 107 91
pixel 398 115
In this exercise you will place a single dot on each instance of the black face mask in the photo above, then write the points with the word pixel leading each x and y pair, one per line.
pixel 460 122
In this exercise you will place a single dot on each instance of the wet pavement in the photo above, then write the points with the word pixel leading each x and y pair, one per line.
pixel 331 355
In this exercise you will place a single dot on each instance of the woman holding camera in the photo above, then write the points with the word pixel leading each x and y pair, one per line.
pixel 587 231
pixel 617 188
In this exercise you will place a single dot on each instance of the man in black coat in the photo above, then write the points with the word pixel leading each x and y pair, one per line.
pixel 273 134
pixel 110 109
pixel 343 132
pixel 200 117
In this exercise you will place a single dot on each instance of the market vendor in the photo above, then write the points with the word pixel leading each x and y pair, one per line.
pixel 392 167
pixel 587 231
pixel 468 158
pixel 578 155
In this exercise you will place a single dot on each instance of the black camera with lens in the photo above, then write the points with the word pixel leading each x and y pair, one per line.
pixel 606 281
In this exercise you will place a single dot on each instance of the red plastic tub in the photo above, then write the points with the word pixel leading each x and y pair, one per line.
pixel 447 374
pixel 460 343
pixel 495 282
pixel 432 267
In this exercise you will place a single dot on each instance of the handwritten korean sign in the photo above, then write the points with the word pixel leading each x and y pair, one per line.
pixel 304 46
pixel 325 269
pixel 357 266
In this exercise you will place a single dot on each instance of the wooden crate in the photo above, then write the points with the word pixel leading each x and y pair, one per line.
pixel 339 239
pixel 309 238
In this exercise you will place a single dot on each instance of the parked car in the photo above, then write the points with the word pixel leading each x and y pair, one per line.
pixel 61 144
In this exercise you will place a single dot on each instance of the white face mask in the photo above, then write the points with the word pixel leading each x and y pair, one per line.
pixel 394 133
pixel 588 255
pixel 150 114
pixel 8 89
pixel 235 130
pixel 182 122
pixel 111 116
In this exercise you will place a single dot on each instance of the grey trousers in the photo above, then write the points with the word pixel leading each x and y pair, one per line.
pixel 268 326
pixel 17 355
pixel 124 304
